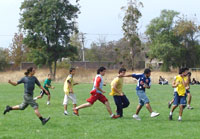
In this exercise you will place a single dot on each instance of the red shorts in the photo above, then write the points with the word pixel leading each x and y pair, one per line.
pixel 96 96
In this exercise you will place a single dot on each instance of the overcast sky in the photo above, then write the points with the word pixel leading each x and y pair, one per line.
pixel 100 19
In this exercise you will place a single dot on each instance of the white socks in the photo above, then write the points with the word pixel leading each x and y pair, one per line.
pixel 112 115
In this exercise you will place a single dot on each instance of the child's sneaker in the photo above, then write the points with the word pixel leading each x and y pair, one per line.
pixel 66 113
pixel 169 105
pixel 189 107
pixel 45 120
pixel 48 102
pixel 115 116
pixel 154 114
pixel 7 109
pixel 75 111
pixel 135 116
pixel 170 117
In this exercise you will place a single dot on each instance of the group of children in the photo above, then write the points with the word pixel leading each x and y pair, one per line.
pixel 180 83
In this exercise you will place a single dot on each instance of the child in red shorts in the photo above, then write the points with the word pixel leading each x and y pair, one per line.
pixel 97 94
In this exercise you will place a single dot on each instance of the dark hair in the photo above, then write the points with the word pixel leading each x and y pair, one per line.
pixel 189 73
pixel 186 69
pixel 147 71
pixel 30 69
pixel 121 70
pixel 181 70
pixel 71 69
pixel 100 70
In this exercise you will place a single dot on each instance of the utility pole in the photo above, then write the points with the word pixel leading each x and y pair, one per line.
pixel 83 42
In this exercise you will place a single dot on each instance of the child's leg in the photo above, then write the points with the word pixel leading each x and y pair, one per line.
pixel 65 102
pixel 139 107
pixel 148 106
pixel 85 105
pixel 118 103
pixel 108 107
pixel 181 110
pixel 125 101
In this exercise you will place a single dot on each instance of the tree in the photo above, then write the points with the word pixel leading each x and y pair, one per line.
pixel 130 27
pixel 48 25
pixel 188 32
pixel 4 58
pixel 18 51
pixel 163 43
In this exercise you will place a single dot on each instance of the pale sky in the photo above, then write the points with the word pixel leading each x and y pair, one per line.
pixel 100 19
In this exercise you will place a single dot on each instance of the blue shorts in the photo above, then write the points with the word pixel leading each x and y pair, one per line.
pixel 179 100
pixel 143 99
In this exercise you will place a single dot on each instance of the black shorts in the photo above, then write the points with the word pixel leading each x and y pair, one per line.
pixel 43 92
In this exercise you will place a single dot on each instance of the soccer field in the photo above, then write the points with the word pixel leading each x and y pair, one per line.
pixel 94 122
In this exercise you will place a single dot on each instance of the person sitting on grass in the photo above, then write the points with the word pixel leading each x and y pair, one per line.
pixel 162 81
pixel 97 94
pixel 29 82
pixel 47 85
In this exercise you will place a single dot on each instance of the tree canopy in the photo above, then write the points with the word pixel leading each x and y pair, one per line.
pixel 48 25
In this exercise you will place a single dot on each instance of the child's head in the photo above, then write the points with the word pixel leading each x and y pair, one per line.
pixel 72 71
pixel 183 71
pixel 30 71
pixel 122 71
pixel 147 72
pixel 101 70
pixel 49 76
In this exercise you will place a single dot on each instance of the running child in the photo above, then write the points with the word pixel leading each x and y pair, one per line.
pixel 29 82
pixel 144 82
pixel 97 94
pixel 47 85
pixel 188 94
pixel 120 98
pixel 181 82
pixel 68 89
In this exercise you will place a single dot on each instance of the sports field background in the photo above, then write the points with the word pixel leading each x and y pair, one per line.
pixel 94 122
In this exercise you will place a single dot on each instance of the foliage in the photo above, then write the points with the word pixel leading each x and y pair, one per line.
pixel 18 51
pixel 130 28
pixel 4 58
pixel 48 26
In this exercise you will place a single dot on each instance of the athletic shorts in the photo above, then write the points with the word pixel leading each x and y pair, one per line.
pixel 143 99
pixel 28 100
pixel 187 91
pixel 43 92
pixel 71 96
pixel 179 100
pixel 96 96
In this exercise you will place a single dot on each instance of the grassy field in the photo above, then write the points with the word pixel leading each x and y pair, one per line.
pixel 94 122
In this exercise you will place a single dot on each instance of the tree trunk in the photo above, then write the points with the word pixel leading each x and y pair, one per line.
pixel 54 72
pixel 132 59
pixel 50 67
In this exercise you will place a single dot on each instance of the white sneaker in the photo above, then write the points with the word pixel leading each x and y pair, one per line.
pixel 179 119
pixel 154 114
pixel 66 113
pixel 48 103
pixel 35 98
pixel 136 117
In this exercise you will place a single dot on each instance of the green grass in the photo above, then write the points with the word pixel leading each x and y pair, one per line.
pixel 94 122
